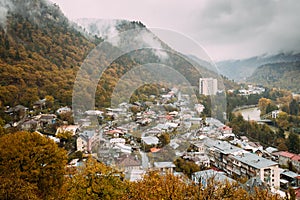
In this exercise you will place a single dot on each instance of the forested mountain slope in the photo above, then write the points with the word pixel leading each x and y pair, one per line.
pixel 283 75
pixel 39 53
pixel 240 70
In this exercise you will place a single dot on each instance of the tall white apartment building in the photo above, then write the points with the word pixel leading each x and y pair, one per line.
pixel 208 86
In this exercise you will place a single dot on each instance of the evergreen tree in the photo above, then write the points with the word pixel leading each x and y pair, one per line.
pixel 294 107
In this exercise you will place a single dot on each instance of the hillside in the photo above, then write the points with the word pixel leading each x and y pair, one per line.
pixel 104 28
pixel 239 70
pixel 229 84
pixel 281 75
pixel 40 53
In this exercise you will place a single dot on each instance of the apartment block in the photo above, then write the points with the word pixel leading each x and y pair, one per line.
pixel 240 163
pixel 208 86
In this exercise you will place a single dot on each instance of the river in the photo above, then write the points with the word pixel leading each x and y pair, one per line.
pixel 250 113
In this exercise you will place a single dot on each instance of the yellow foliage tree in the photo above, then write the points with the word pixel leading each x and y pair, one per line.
pixel 95 181
pixel 36 161
pixel 263 103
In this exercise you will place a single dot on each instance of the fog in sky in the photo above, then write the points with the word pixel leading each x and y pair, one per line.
pixel 225 29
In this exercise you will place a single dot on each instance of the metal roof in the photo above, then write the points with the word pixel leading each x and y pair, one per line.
pixel 254 160
pixel 290 174
pixel 164 165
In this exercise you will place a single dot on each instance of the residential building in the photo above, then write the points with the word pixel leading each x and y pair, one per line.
pixel 199 159
pixel 45 119
pixel 253 184
pixel 164 167
pixel 285 157
pixel 40 104
pixel 128 162
pixel 150 140
pixel 63 110
pixel 205 176
pixel 135 175
pixel 208 86
pixel 73 129
pixel 291 177
pixel 85 140
pixel 238 162
pixel 29 125
pixel 250 165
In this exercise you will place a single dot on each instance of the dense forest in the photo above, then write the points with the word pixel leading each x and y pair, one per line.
pixel 40 53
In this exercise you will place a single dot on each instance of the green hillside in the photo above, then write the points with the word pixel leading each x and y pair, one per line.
pixel 280 75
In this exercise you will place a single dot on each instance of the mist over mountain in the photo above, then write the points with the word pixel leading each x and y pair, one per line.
pixel 105 27
pixel 42 51
pixel 34 10
pixel 159 53
pixel 240 70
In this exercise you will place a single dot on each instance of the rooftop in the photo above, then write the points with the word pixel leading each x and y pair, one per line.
pixel 164 165
pixel 271 149
pixel 207 174
pixel 128 161
pixel 135 175
pixel 290 174
pixel 150 140
pixel 255 161
pixel 286 154
pixel 223 146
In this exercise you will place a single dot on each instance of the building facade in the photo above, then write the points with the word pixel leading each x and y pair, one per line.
pixel 208 86
pixel 239 163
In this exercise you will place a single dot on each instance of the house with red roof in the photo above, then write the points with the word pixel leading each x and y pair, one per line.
pixel 225 130
pixel 285 157
pixel 296 162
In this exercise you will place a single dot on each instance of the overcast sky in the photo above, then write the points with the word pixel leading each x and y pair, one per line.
pixel 225 29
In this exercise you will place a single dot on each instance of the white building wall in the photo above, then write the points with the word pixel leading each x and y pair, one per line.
pixel 81 144
pixel 208 86
pixel 274 176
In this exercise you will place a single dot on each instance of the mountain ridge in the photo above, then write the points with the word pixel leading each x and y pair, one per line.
pixel 240 69
pixel 283 75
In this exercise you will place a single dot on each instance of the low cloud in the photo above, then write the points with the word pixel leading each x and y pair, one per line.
pixel 226 29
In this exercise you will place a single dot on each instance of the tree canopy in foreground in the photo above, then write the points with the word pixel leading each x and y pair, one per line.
pixel 34 167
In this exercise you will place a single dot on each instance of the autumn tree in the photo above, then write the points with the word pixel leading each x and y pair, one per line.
pixel 282 120
pixel 164 139
pixel 263 104
pixel 66 139
pixel 67 116
pixel 293 142
pixel 17 188
pixel 2 130
pixel 185 166
pixel 34 160
pixel 95 181
pixel 49 101
pixel 154 186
